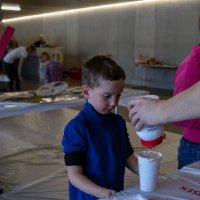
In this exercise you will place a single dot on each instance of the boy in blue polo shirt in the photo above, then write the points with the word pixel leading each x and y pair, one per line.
pixel 96 144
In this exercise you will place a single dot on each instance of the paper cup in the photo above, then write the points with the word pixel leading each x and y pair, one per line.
pixel 149 166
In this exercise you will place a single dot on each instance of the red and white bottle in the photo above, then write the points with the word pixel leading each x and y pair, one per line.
pixel 151 135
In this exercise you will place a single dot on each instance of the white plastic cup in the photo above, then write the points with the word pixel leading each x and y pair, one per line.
pixel 149 167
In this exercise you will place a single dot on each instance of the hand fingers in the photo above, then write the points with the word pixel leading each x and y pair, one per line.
pixel 131 104
pixel 131 113
pixel 134 119
pixel 134 116
pixel 136 122
pixel 139 126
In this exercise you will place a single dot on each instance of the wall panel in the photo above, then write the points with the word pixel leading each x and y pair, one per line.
pixel 166 29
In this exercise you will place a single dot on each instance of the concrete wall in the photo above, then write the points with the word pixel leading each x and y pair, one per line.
pixel 166 30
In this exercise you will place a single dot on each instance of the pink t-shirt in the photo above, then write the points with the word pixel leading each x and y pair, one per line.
pixel 187 74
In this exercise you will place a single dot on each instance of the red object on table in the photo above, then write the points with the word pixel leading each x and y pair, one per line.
pixel 75 73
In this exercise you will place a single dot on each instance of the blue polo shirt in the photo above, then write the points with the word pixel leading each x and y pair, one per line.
pixel 104 142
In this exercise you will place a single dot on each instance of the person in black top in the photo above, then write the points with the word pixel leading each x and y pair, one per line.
pixel 40 42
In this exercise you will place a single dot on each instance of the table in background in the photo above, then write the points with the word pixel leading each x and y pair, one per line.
pixel 155 76
pixel 8 109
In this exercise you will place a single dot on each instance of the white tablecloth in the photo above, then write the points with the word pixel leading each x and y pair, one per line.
pixel 180 185
pixel 6 110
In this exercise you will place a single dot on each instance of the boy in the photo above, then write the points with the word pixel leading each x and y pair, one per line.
pixel 96 143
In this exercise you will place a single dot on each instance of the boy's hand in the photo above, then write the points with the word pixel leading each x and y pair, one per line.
pixel 109 193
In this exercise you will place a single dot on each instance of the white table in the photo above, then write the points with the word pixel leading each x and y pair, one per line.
pixel 180 185
pixel 8 109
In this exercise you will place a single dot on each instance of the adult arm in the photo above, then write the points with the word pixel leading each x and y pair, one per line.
pixel 79 180
pixel 185 105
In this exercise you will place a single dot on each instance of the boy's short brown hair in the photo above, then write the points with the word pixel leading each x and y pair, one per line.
pixel 101 68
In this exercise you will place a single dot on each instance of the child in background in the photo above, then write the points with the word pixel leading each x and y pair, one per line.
pixel 54 70
pixel 96 143
pixel 44 60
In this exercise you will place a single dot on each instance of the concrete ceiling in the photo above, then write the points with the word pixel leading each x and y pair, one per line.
pixel 31 7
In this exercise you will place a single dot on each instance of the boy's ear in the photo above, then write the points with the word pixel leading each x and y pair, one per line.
pixel 85 91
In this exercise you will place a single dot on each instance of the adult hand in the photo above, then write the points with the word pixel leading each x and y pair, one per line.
pixel 144 111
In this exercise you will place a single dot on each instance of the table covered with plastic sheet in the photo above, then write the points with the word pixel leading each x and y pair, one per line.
pixel 11 108
pixel 180 185
pixel 183 184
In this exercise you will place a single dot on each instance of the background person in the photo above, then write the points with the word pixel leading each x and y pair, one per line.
pixel 44 61
pixel 96 144
pixel 12 65
pixel 12 45
pixel 54 71
pixel 40 42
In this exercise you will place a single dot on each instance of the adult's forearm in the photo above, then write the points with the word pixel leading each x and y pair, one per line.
pixel 184 106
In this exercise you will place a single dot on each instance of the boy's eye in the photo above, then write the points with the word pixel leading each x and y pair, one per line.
pixel 109 96
pixel 106 96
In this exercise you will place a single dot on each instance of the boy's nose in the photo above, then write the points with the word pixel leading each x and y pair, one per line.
pixel 114 101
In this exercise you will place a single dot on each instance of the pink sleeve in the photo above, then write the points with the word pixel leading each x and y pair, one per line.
pixel 187 75
pixel 195 123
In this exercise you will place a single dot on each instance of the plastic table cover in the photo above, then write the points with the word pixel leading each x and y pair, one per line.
pixel 180 185
pixel 8 108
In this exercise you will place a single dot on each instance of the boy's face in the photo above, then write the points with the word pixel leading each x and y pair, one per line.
pixel 105 97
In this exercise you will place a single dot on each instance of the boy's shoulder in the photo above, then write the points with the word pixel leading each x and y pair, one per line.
pixel 77 120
